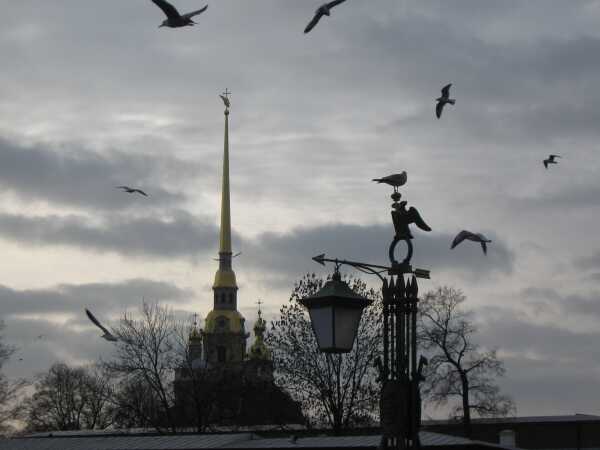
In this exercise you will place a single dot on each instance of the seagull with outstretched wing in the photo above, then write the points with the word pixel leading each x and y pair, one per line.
pixel 107 334
pixel 323 10
pixel 475 237
pixel 443 100
pixel 174 19
pixel 551 160
pixel 130 190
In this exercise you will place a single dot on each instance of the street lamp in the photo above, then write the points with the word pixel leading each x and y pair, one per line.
pixel 335 312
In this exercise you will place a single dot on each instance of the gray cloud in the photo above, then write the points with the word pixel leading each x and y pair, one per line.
pixel 589 262
pixel 29 313
pixel 178 234
pixel 106 298
pixel 87 179
pixel 543 358
pixel 585 305
pixel 518 332
pixel 290 253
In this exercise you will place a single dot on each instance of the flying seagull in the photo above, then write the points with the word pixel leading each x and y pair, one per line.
pixel 107 334
pixel 174 19
pixel 396 180
pixel 550 160
pixel 476 237
pixel 441 101
pixel 132 190
pixel 323 10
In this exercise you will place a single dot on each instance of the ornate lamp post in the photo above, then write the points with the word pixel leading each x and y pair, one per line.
pixel 400 372
pixel 335 313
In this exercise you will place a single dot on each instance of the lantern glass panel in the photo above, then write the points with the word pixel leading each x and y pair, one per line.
pixel 346 327
pixel 322 323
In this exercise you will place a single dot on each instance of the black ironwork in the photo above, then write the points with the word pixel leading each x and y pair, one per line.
pixel 399 373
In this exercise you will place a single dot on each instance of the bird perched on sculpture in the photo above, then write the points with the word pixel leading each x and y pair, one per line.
pixel 323 10
pixel 443 100
pixel 107 334
pixel 551 160
pixel 174 19
pixel 130 190
pixel 475 237
pixel 396 180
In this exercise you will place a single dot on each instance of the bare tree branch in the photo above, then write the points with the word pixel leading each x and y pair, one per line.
pixel 338 391
pixel 457 367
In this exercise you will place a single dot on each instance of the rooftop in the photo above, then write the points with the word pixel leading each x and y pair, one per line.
pixel 526 419
pixel 218 441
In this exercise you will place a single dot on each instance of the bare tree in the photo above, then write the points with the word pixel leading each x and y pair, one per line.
pixel 457 366
pixel 69 398
pixel 339 391
pixel 136 405
pixel 146 356
pixel 10 390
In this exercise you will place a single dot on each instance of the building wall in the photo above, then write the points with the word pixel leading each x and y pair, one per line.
pixel 533 435
pixel 233 345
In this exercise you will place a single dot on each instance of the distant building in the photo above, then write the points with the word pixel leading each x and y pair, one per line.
pixel 574 432
pixel 223 384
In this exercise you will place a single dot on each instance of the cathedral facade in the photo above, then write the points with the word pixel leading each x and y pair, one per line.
pixel 225 384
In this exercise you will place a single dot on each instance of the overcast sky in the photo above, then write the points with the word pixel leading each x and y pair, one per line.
pixel 94 95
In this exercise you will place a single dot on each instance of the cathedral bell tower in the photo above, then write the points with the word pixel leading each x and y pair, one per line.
pixel 224 332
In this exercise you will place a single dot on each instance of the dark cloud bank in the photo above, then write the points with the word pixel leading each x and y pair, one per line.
pixel 75 176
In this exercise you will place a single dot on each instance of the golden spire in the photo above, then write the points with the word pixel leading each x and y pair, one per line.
pixel 225 277
pixel 225 238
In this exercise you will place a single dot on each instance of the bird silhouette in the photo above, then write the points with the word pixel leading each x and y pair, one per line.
pixel 551 160
pixel 475 237
pixel 396 180
pixel 132 190
pixel 174 19
pixel 107 334
pixel 323 10
pixel 441 101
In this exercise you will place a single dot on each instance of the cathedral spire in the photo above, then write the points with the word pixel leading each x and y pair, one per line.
pixel 225 277
pixel 225 237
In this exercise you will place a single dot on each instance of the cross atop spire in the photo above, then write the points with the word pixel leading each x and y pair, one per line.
pixel 225 97
pixel 259 302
